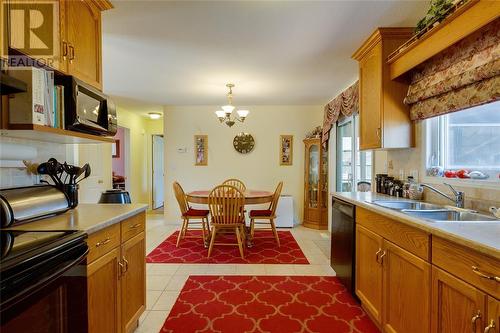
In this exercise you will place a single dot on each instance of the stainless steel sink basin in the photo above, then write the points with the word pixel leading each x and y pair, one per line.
pixel 400 205
pixel 449 215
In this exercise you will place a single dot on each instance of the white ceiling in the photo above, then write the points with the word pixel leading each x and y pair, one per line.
pixel 276 52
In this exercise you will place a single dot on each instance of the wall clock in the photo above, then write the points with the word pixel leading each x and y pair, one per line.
pixel 243 143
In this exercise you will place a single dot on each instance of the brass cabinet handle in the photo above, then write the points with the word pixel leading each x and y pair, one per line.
pixel 379 133
pixel 485 276
pixel 475 318
pixel 71 53
pixel 121 270
pixel 377 254
pixel 381 258
pixel 65 49
pixel 126 265
pixel 103 242
pixel 135 226
pixel 490 327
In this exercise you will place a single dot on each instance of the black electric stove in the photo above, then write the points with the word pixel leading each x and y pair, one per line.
pixel 42 281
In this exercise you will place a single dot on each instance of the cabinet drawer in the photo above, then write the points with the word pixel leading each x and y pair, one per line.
pixel 133 226
pixel 459 261
pixel 411 239
pixel 103 241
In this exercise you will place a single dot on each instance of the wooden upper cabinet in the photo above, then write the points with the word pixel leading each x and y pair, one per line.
pixel 369 271
pixel 35 28
pixel 385 120
pixel 406 291
pixel 456 305
pixel 103 298
pixel 84 41
pixel 133 287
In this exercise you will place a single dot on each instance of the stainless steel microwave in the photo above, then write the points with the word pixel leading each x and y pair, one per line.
pixel 86 109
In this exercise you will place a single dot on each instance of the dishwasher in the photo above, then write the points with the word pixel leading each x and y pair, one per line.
pixel 343 243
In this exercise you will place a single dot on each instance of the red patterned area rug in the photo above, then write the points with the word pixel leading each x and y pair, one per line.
pixel 273 304
pixel 263 251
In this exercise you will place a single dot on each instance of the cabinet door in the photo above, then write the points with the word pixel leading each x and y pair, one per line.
pixel 406 291
pixel 456 306
pixel 103 293
pixel 493 318
pixel 370 85
pixel 133 281
pixel 36 28
pixel 84 41
pixel 369 271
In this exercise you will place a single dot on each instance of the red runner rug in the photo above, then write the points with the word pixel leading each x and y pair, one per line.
pixel 273 304
pixel 264 251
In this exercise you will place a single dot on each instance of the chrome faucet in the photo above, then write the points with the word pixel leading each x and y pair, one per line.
pixel 459 199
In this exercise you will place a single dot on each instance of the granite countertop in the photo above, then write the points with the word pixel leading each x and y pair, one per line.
pixel 86 217
pixel 480 236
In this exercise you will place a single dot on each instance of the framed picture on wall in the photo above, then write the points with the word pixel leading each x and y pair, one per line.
pixel 115 149
pixel 286 149
pixel 201 150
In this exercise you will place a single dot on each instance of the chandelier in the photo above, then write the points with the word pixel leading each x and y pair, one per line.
pixel 226 115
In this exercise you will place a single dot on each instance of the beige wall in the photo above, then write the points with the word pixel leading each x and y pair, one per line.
pixel 259 170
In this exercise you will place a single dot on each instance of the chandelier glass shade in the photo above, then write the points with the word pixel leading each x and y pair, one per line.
pixel 226 115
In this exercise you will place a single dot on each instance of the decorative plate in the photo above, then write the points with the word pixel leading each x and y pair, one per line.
pixel 243 143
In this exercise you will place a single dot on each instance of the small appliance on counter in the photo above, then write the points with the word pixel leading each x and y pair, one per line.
pixel 22 204
pixel 115 196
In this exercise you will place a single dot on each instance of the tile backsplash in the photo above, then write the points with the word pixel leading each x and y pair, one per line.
pixel 14 177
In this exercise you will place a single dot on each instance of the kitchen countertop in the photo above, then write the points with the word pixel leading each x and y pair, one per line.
pixel 86 217
pixel 480 236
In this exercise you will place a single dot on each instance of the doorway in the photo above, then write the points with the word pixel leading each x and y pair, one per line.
pixel 158 172
pixel 120 154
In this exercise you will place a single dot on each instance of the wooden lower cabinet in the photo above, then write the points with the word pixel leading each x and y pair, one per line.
pixel 116 277
pixel 369 271
pixel 406 291
pixel 493 318
pixel 456 305
pixel 133 282
pixel 103 293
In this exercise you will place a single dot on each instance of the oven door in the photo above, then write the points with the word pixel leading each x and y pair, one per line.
pixel 49 298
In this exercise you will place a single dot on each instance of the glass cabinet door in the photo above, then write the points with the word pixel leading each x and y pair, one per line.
pixel 324 178
pixel 313 177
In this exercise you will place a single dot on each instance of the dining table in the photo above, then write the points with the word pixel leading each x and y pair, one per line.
pixel 252 197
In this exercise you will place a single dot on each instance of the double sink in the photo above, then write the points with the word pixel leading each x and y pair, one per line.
pixel 434 213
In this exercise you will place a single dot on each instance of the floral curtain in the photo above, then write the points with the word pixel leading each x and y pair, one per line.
pixel 346 104
pixel 464 75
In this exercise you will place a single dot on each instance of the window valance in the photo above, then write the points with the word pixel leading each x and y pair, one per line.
pixel 345 104
pixel 464 75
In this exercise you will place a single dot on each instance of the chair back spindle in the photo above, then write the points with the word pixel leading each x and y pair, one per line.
pixel 276 197
pixel 181 198
pixel 236 183
pixel 226 204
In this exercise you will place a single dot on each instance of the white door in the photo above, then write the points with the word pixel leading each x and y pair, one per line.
pixel 158 171
pixel 99 158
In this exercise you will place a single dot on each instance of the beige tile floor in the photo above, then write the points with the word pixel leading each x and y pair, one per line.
pixel 165 281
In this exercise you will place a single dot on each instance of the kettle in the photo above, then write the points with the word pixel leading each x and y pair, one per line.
pixel 115 196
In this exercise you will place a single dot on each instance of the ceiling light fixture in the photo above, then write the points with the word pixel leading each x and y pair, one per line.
pixel 225 115
pixel 154 115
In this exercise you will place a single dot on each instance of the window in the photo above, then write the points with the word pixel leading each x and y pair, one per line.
pixel 468 139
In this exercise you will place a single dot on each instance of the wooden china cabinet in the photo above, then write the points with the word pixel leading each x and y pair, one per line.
pixel 315 185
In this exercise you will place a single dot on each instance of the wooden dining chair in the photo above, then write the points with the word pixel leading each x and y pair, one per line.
pixel 188 214
pixel 226 205
pixel 266 216
pixel 236 183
